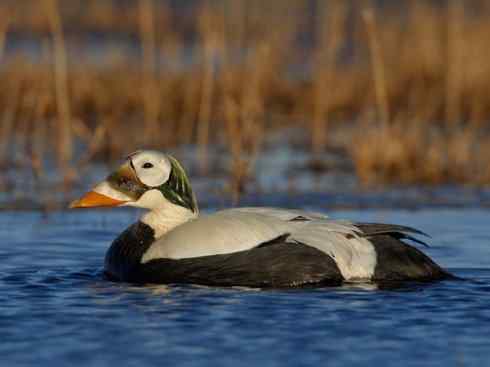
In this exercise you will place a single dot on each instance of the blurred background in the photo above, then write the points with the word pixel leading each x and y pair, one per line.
pixel 368 110
pixel 292 97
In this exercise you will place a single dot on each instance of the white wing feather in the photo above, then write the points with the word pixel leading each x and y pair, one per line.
pixel 355 256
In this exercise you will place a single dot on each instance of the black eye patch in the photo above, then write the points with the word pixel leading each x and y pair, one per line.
pixel 148 165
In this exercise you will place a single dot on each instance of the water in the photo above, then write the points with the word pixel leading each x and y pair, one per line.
pixel 56 309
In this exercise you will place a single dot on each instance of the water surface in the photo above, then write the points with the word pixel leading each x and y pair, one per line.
pixel 56 308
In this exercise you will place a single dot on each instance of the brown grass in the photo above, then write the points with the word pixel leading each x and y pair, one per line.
pixel 65 135
pixel 413 83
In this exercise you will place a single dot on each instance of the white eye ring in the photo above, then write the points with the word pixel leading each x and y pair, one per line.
pixel 152 168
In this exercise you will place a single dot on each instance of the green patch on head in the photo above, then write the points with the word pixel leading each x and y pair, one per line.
pixel 177 189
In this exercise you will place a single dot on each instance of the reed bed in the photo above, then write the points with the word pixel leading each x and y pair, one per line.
pixel 409 84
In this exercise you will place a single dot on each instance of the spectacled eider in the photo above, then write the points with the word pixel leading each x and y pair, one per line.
pixel 252 247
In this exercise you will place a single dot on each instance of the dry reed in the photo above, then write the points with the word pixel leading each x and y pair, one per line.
pixel 455 62
pixel 65 138
pixel 150 91
pixel 212 48
pixel 330 30
pixel 417 70
pixel 378 67
pixel 4 26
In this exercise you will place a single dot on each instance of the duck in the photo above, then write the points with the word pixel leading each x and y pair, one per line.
pixel 257 247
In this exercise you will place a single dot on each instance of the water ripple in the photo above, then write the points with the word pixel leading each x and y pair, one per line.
pixel 57 308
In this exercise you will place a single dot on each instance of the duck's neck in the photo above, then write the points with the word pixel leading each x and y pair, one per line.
pixel 166 217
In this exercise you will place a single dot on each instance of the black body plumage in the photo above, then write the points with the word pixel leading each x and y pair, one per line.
pixel 276 263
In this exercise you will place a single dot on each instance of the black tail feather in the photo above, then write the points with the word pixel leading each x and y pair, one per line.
pixel 399 232
pixel 378 229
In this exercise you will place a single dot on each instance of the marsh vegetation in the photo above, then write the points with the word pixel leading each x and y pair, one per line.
pixel 403 91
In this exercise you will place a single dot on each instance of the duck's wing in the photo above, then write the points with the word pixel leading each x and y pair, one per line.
pixel 235 230
pixel 370 250
pixel 220 233
pixel 353 247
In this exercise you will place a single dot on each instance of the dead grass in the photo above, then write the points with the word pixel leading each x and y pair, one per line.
pixel 413 155
pixel 414 83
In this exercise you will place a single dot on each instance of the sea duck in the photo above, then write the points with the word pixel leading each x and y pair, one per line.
pixel 249 247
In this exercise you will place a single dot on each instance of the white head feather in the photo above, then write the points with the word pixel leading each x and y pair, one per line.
pixel 152 167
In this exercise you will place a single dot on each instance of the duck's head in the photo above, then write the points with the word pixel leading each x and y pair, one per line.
pixel 147 179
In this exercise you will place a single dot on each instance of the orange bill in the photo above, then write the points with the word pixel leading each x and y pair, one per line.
pixel 93 199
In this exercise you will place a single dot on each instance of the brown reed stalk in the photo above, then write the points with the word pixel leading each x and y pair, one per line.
pixel 190 109
pixel 455 62
pixel 206 105
pixel 4 27
pixel 330 32
pixel 235 144
pixel 377 65
pixel 231 100
pixel 150 90
pixel 24 126
pixel 95 144
pixel 34 104
pixel 245 119
pixel 8 117
pixel 8 120
pixel 212 47
pixel 38 149
pixel 65 142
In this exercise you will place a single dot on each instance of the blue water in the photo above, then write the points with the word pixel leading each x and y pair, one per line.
pixel 56 309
